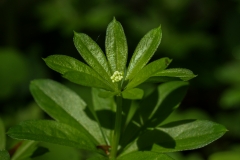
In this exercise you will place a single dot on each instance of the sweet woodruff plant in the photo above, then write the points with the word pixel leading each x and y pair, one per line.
pixel 121 112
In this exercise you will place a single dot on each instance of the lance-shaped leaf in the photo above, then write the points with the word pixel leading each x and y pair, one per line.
pixel 145 155
pixel 116 46
pixel 178 136
pixel 134 93
pixel 65 64
pixel 65 106
pixel 4 155
pixel 149 70
pixel 144 51
pixel 186 135
pixel 181 73
pixel 53 132
pixel 86 79
pixel 92 54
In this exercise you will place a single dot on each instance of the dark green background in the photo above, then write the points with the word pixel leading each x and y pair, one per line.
pixel 200 35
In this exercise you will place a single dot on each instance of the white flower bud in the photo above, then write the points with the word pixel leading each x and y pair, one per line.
pixel 117 76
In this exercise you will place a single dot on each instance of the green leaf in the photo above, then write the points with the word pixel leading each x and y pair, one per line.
pixel 25 150
pixel 65 64
pixel 106 94
pixel 65 106
pixel 164 101
pixel 86 79
pixel 149 70
pixel 182 73
pixel 98 157
pixel 4 155
pixel 92 54
pixel 2 135
pixel 134 93
pixel 145 155
pixel 178 136
pixel 144 51
pixel 170 95
pixel 116 46
pixel 53 132
pixel 187 135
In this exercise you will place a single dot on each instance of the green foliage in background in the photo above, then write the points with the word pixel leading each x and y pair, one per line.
pixel 118 92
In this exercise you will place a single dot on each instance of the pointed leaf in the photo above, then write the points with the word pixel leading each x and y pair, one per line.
pixel 188 135
pixel 92 54
pixel 64 64
pixel 4 155
pixel 116 46
pixel 65 106
pixel 86 79
pixel 149 70
pixel 107 94
pixel 52 132
pixel 182 73
pixel 134 93
pixel 145 155
pixel 178 136
pixel 144 51
pixel 2 135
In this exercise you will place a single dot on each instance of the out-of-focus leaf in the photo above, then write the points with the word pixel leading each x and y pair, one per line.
pixel 53 132
pixel 4 155
pixel 25 150
pixel 182 73
pixel 134 93
pixel 14 71
pixel 65 64
pixel 2 135
pixel 65 106
pixel 178 136
pixel 226 155
pixel 86 79
pixel 148 71
pixel 230 98
pixel 144 51
pixel 116 46
pixel 145 155
pixel 92 54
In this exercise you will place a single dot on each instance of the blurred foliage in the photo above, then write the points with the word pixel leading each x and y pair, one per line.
pixel 201 35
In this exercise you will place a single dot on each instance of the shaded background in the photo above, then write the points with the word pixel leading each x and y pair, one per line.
pixel 200 35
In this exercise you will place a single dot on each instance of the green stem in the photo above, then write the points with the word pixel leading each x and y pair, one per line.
pixel 117 129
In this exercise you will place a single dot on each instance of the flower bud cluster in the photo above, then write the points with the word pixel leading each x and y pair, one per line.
pixel 117 76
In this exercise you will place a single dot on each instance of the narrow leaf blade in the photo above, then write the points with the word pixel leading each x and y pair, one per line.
pixel 144 51
pixel 65 64
pixel 134 93
pixel 149 70
pixel 92 54
pixel 181 73
pixel 116 46
pixel 145 155
pixel 52 132
pixel 188 135
pixel 86 79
